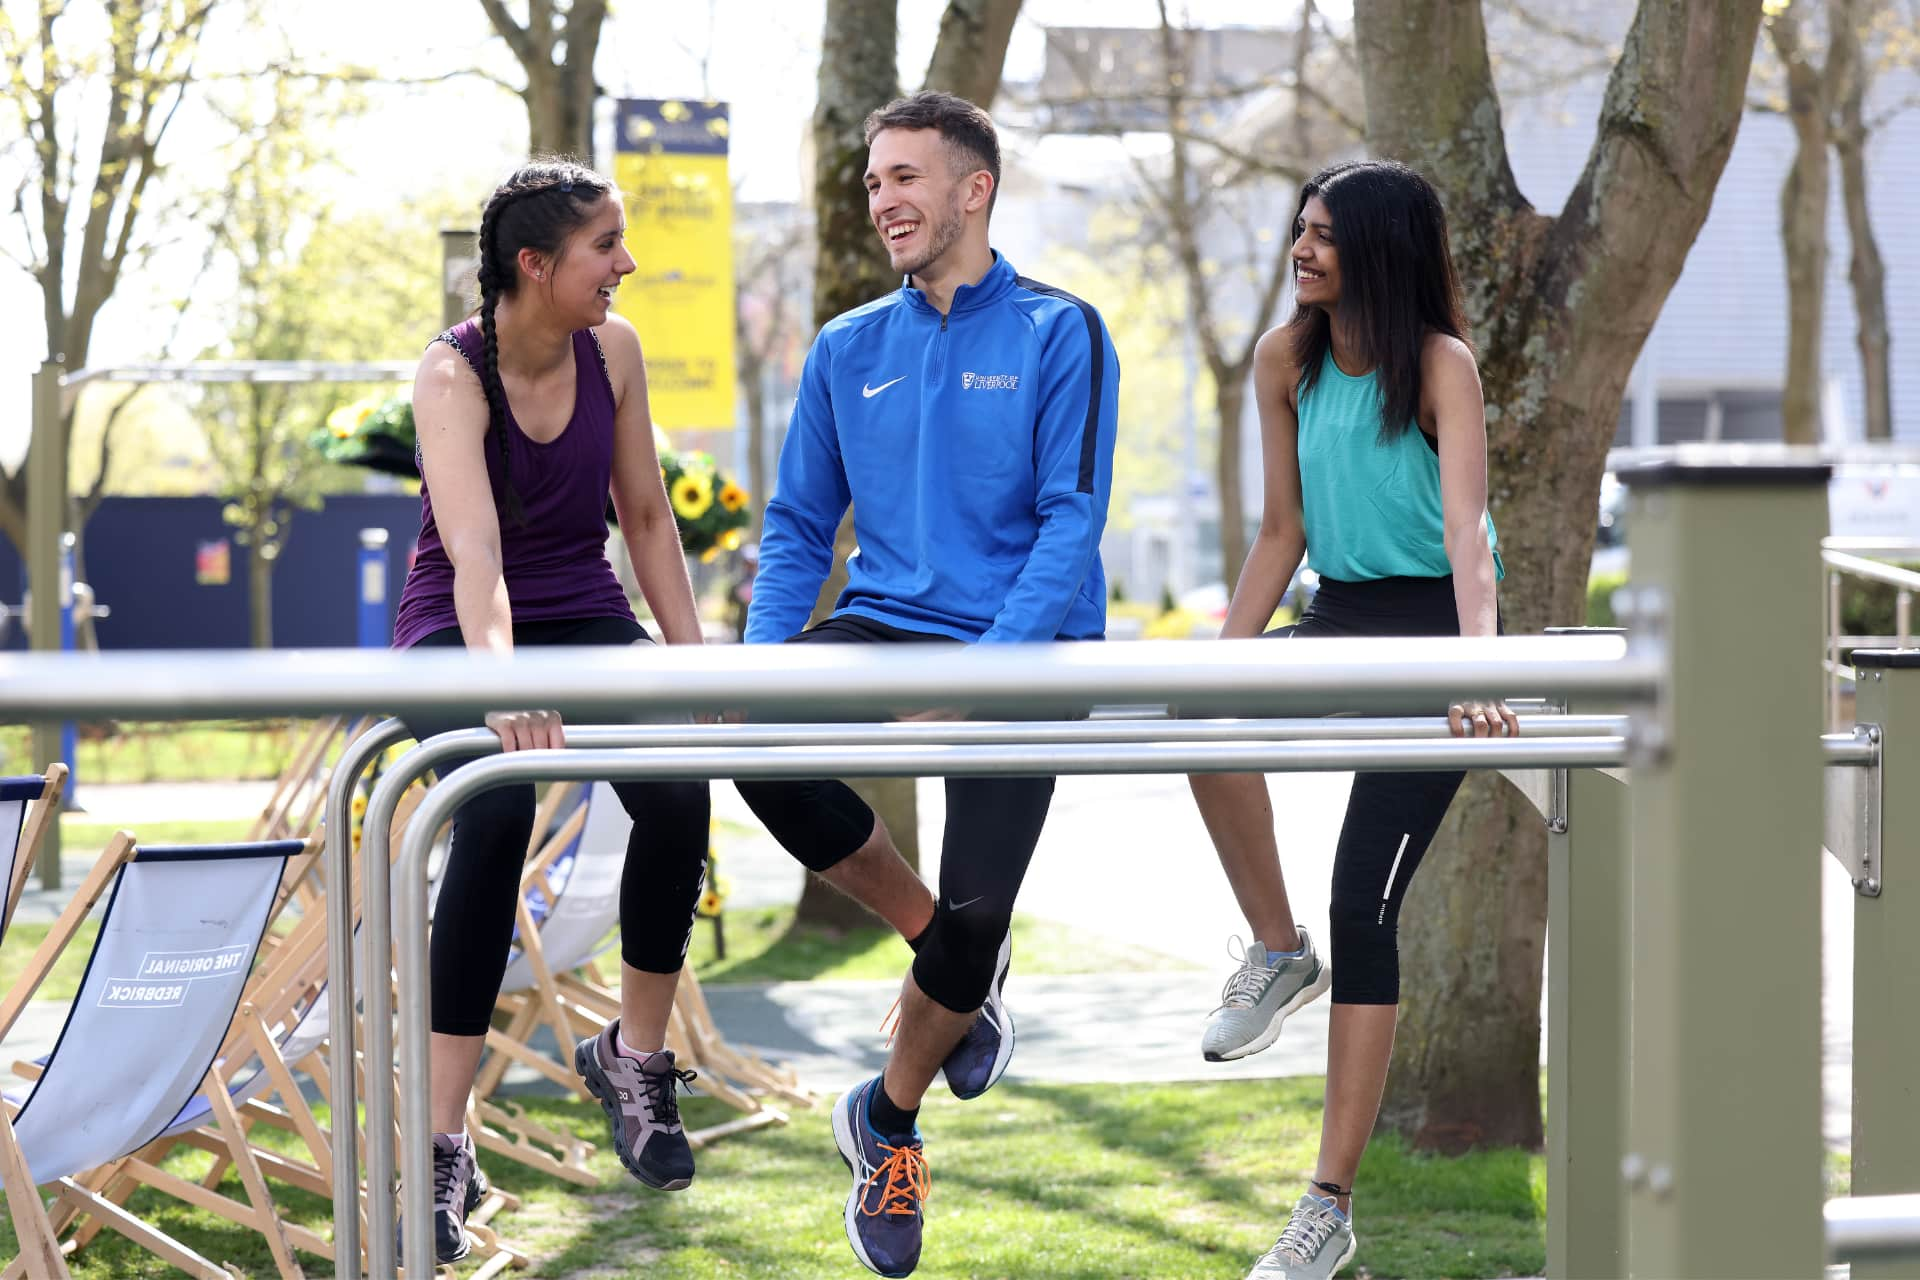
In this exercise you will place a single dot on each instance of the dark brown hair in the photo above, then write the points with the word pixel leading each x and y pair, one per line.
pixel 1396 279
pixel 972 143
pixel 539 207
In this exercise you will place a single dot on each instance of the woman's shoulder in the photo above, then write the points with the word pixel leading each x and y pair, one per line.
pixel 1443 352
pixel 1273 355
pixel 619 345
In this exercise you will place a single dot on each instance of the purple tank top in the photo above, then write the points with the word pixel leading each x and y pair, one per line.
pixel 555 561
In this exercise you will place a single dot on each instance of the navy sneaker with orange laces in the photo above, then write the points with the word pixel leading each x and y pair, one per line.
pixel 886 1207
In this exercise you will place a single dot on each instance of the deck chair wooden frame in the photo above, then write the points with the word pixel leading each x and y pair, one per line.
pixel 40 815
pixel 579 1001
pixel 78 1195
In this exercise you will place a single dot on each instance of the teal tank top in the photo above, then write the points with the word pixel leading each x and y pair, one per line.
pixel 1372 509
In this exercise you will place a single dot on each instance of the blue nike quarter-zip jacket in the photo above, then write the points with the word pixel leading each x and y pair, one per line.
pixel 977 451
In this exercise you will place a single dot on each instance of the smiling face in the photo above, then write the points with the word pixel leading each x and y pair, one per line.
pixel 579 281
pixel 1316 262
pixel 917 202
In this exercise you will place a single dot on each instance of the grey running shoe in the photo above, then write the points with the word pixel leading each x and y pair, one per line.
pixel 642 1108
pixel 1316 1243
pixel 1258 998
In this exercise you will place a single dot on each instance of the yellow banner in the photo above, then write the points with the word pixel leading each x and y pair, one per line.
pixel 671 164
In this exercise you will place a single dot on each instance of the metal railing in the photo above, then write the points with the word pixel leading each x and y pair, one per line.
pixel 1849 557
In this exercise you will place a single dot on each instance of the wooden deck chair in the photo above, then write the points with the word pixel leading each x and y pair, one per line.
pixel 28 806
pixel 570 902
pixel 141 1039
pixel 300 792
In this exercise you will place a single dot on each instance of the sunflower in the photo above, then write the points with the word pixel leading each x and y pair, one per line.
pixel 710 904
pixel 692 494
pixel 732 497
pixel 730 540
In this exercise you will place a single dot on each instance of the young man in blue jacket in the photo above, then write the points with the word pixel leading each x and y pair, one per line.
pixel 969 419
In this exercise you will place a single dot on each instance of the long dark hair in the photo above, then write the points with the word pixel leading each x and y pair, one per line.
pixel 539 207
pixel 1396 280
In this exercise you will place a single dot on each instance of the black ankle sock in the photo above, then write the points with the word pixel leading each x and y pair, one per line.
pixel 917 939
pixel 890 1121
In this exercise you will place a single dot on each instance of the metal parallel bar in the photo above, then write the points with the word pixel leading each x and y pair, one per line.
pixel 347 771
pixel 1869 1228
pixel 1853 748
pixel 1240 677
pixel 246 371
pixel 1872 570
pixel 796 762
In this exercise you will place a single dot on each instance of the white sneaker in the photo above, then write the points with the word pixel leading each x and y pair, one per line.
pixel 1258 997
pixel 1315 1244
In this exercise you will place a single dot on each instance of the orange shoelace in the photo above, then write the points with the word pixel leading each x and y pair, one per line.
pixel 891 1023
pixel 907 1183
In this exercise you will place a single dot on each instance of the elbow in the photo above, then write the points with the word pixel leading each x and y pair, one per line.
pixel 1467 550
pixel 474 556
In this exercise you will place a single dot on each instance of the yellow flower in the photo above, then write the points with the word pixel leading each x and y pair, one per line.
pixel 692 495
pixel 730 540
pixel 360 805
pixel 710 904
pixel 710 554
pixel 732 497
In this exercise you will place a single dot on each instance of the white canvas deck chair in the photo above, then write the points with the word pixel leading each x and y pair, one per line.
pixel 569 903
pixel 135 1057
pixel 28 806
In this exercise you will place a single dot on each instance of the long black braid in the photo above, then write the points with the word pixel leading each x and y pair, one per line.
pixel 537 208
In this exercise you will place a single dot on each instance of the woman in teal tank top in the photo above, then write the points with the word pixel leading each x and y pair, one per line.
pixel 1375 466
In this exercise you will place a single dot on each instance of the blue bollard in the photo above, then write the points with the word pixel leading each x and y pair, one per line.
pixel 374 628
pixel 69 738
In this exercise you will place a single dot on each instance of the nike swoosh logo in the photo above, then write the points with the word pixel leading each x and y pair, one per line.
pixel 959 906
pixel 871 392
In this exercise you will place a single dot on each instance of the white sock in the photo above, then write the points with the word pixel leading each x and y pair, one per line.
pixel 460 1137
pixel 620 1043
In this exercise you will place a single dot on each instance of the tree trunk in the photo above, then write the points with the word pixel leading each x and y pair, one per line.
pixel 972 49
pixel 1560 308
pixel 1229 401
pixel 755 387
pixel 261 553
pixel 1803 231
pixel 1866 272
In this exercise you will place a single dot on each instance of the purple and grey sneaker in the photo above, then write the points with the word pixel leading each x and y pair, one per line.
pixel 890 1186
pixel 642 1107
pixel 458 1189
pixel 982 1055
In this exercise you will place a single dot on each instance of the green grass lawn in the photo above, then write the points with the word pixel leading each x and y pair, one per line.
pixel 1134 1182
pixel 764 945
pixel 80 835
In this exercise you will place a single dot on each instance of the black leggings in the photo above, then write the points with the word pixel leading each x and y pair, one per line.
pixel 993 825
pixel 474 918
pixel 1391 817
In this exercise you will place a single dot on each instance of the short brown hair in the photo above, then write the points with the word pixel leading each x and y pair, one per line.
pixel 972 143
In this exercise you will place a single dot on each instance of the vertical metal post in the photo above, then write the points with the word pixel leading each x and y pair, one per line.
pixel 373 629
pixel 69 737
pixel 46 516
pixel 1589 947
pixel 1903 618
pixel 1723 1161
pixel 1831 703
pixel 459 255
pixel 1886 950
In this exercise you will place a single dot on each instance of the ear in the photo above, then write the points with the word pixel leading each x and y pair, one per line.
pixel 980 186
pixel 533 264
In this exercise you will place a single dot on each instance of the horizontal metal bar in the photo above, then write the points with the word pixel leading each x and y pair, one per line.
pixel 803 762
pixel 1872 570
pixel 247 371
pixel 1242 677
pixel 1862 1227
pixel 1853 748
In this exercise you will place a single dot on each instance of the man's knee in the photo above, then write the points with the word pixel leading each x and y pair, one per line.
pixel 819 822
pixel 956 961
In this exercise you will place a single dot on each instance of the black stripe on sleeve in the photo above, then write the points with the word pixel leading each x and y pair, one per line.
pixel 1096 343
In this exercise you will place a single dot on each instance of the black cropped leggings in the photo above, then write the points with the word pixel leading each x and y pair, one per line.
pixel 474 917
pixel 993 825
pixel 1391 817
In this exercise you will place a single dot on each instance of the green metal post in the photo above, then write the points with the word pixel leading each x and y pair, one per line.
pixel 1886 951
pixel 46 519
pixel 1588 949
pixel 1723 1160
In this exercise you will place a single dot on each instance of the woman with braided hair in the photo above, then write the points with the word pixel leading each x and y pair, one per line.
pixel 529 414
